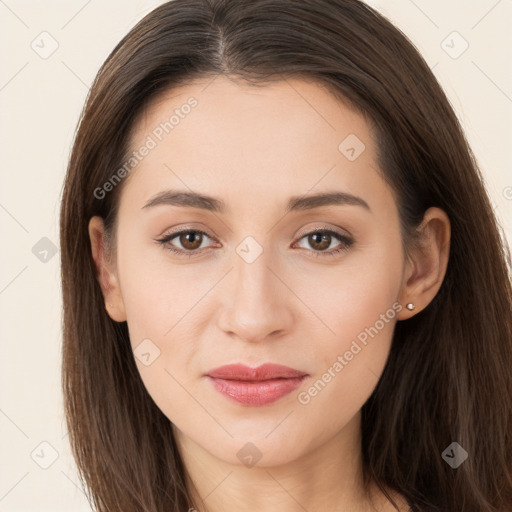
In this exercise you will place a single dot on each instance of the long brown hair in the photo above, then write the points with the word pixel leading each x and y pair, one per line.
pixel 449 374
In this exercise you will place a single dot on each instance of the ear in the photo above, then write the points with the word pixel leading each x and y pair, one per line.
pixel 105 268
pixel 426 265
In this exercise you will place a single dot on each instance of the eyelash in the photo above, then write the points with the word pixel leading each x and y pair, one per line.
pixel 346 242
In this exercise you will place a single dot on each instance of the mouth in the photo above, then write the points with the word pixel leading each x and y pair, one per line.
pixel 255 386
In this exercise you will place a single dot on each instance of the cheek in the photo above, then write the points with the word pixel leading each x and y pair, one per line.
pixel 157 294
pixel 159 300
pixel 358 305
pixel 354 293
pixel 159 303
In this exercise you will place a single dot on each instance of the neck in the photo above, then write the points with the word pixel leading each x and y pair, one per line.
pixel 328 478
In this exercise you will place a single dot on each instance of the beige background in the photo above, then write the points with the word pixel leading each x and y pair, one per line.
pixel 40 101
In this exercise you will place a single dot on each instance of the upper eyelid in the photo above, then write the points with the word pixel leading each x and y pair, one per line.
pixel 322 229
pixel 170 236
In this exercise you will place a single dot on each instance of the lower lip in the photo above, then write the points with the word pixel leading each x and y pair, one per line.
pixel 256 393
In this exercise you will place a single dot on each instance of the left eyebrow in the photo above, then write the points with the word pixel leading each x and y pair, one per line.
pixel 297 203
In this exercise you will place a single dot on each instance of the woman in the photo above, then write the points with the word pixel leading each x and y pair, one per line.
pixel 284 286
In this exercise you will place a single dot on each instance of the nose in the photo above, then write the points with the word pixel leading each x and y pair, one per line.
pixel 258 304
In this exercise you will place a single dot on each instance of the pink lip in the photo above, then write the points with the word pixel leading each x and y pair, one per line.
pixel 255 386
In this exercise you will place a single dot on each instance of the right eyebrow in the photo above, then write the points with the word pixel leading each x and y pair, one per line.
pixel 187 199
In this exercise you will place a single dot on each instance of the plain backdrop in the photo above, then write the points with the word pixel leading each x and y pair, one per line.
pixel 50 53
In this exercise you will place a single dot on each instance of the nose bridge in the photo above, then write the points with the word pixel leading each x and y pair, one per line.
pixel 258 305
pixel 253 279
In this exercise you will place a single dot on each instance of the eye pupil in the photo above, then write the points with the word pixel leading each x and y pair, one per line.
pixel 324 240
pixel 189 240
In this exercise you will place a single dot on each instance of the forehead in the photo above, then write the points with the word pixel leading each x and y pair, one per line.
pixel 232 138
pixel 295 107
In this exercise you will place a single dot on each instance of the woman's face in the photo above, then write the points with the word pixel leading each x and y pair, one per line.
pixel 259 286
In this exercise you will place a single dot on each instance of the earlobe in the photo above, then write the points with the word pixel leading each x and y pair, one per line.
pixel 105 271
pixel 427 263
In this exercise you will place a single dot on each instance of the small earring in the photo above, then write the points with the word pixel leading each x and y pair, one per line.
pixel 108 305
pixel 410 306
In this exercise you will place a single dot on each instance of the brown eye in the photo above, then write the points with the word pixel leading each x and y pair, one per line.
pixel 186 242
pixel 319 241
pixel 191 240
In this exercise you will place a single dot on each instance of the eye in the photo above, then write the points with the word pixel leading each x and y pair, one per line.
pixel 190 240
pixel 321 239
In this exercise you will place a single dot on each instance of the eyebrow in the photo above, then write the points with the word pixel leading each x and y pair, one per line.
pixel 295 203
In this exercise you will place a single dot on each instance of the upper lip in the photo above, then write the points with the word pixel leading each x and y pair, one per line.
pixel 264 372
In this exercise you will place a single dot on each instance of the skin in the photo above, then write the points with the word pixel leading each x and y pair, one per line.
pixel 253 148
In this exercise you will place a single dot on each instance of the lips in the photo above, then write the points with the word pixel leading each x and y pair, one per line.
pixel 255 386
